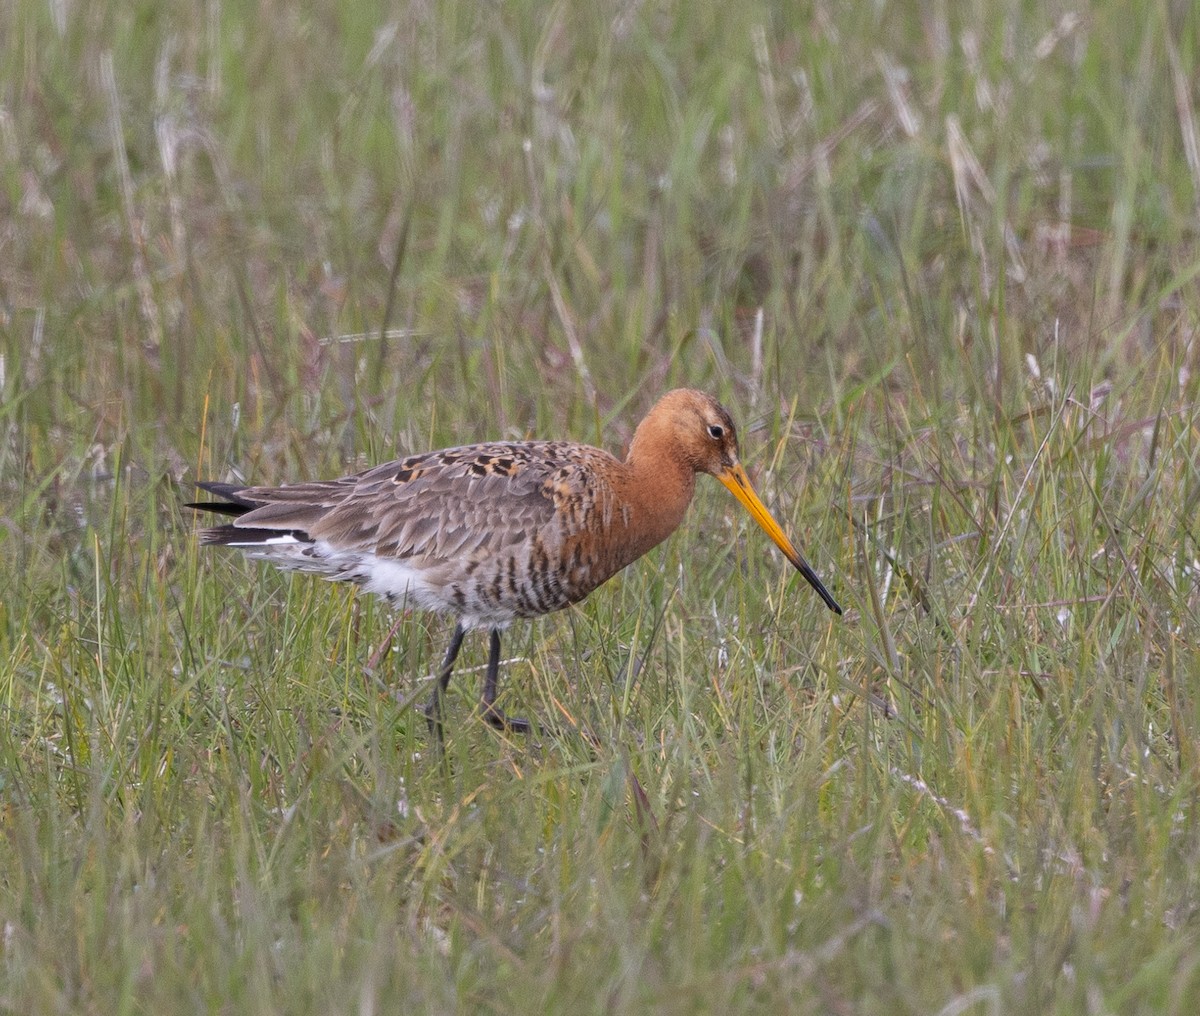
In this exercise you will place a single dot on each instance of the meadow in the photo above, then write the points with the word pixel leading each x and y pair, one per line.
pixel 941 261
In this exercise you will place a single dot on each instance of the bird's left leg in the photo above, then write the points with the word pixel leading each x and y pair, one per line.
pixel 492 713
pixel 433 711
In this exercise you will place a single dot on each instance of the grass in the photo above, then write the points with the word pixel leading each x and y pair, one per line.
pixel 943 268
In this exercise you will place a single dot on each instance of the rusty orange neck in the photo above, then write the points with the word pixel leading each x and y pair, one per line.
pixel 658 482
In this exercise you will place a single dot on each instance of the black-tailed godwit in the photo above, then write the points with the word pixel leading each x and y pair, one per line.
pixel 498 531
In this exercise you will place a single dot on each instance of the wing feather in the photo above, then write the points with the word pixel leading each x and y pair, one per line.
pixel 460 504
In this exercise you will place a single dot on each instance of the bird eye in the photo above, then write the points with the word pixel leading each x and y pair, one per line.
pixel 716 431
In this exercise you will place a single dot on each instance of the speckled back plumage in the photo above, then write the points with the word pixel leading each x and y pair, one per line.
pixel 490 532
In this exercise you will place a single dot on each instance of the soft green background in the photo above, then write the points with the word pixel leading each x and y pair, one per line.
pixel 942 262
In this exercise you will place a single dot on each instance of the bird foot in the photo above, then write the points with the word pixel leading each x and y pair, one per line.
pixel 495 717
pixel 491 714
pixel 433 716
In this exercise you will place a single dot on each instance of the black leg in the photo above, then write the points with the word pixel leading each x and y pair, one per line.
pixel 491 712
pixel 491 678
pixel 433 711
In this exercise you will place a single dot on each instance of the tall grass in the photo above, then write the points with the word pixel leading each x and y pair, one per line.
pixel 941 263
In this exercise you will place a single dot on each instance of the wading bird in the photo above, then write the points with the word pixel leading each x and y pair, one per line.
pixel 493 532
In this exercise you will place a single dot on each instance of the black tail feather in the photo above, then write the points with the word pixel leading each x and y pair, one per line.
pixel 217 507
pixel 245 537
pixel 234 504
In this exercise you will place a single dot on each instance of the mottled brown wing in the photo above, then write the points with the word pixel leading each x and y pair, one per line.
pixel 459 504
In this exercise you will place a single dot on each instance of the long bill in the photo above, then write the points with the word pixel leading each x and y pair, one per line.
pixel 738 484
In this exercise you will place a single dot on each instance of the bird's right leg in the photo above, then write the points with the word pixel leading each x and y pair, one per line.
pixel 433 710
pixel 492 713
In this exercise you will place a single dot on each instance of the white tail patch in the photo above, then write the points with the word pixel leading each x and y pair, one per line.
pixel 274 541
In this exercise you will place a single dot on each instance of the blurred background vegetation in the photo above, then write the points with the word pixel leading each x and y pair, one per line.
pixel 941 261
